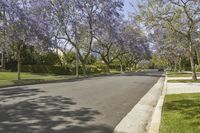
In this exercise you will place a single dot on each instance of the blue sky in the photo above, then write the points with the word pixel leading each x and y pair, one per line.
pixel 128 8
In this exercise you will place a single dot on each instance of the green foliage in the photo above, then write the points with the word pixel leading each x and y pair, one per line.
pixel 92 69
pixel 198 68
pixel 66 70
pixel 69 58
pixel 158 62
pixel 101 66
pixel 47 69
pixel 49 58
pixel 28 55
pixel 91 59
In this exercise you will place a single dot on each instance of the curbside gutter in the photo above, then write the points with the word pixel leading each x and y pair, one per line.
pixel 137 120
pixel 156 118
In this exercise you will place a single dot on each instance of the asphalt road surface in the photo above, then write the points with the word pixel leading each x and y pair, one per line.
pixel 94 105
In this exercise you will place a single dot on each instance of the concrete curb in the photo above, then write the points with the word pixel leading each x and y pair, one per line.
pixel 156 118
pixel 137 120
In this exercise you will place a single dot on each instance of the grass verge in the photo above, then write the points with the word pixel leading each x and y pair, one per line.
pixel 178 74
pixel 181 114
pixel 183 81
pixel 10 78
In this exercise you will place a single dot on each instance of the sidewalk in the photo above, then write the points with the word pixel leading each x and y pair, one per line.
pixel 181 78
pixel 178 88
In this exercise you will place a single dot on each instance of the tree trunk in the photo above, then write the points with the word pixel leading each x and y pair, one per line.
pixel 18 62
pixel 121 67
pixel 194 76
pixel 180 64
pixel 84 69
pixel 2 59
pixel 83 62
pixel 135 66
pixel 107 63
pixel 77 64
pixel 175 65
pixel 108 67
pixel 198 56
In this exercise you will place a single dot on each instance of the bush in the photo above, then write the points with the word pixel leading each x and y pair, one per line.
pixel 92 69
pixel 47 69
pixel 101 67
pixel 198 68
pixel 67 70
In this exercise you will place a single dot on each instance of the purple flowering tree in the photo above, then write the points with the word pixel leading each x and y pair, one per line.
pixel 21 28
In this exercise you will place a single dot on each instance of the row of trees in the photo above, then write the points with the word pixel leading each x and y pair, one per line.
pixel 174 27
pixel 87 26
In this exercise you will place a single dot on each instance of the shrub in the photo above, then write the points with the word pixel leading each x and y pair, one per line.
pixel 47 69
pixel 101 67
pixel 65 70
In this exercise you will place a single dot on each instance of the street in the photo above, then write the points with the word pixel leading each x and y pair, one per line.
pixel 93 105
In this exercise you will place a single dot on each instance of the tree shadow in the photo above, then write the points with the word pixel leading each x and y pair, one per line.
pixel 17 92
pixel 47 114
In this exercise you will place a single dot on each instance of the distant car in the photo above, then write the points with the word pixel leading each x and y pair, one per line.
pixel 161 70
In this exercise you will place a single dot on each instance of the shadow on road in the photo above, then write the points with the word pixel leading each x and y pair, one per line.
pixel 45 114
pixel 17 92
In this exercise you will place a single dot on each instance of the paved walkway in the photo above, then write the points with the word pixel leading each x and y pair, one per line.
pixel 181 78
pixel 178 88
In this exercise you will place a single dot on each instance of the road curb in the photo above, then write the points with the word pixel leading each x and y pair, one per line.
pixel 156 118
pixel 137 120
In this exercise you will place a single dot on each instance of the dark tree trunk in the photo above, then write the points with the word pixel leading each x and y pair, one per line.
pixel 175 66
pixel 108 67
pixel 135 66
pixel 194 76
pixel 121 67
pixel 180 64
pixel 83 62
pixel 18 61
pixel 198 56
pixel 84 69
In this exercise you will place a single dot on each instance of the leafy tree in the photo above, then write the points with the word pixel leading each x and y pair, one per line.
pixel 180 16
pixel 21 27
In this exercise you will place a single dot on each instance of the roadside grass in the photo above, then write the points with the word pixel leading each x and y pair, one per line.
pixel 181 114
pixel 10 78
pixel 184 81
pixel 178 74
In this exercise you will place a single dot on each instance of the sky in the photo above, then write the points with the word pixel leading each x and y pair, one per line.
pixel 128 8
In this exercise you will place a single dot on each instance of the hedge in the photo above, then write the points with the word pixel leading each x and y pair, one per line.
pixel 65 70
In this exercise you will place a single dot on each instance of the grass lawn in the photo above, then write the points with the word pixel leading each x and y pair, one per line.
pixel 177 74
pixel 183 81
pixel 9 78
pixel 181 114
